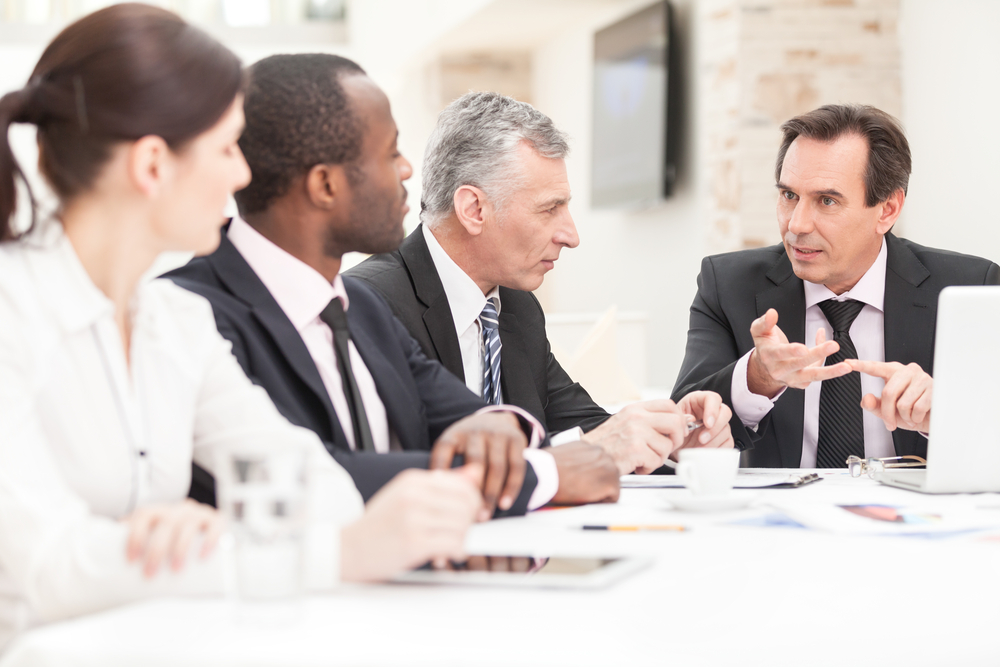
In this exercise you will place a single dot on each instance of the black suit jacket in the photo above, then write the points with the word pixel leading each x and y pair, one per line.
pixel 530 376
pixel 421 398
pixel 736 288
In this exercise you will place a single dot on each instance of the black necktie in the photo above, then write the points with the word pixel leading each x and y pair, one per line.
pixel 841 423
pixel 333 315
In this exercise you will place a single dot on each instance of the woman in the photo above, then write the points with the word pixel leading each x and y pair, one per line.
pixel 109 388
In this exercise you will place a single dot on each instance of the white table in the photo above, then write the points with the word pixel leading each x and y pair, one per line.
pixel 716 595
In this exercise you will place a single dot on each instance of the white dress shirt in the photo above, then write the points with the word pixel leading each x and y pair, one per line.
pixel 87 436
pixel 466 302
pixel 302 293
pixel 868 335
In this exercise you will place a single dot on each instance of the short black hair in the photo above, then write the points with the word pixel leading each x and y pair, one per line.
pixel 889 161
pixel 297 116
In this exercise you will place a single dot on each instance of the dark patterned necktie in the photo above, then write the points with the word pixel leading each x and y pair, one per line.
pixel 491 363
pixel 333 315
pixel 841 420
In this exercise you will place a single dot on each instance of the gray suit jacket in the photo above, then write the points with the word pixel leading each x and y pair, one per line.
pixel 736 288
pixel 530 376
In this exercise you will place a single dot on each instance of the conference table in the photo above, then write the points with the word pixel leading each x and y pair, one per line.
pixel 737 587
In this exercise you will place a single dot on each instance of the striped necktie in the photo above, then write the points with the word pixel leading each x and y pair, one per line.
pixel 841 421
pixel 491 363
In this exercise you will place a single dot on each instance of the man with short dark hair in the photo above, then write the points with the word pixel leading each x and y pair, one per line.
pixel 327 179
pixel 840 280
pixel 495 217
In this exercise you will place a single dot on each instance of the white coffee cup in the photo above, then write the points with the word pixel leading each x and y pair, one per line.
pixel 708 472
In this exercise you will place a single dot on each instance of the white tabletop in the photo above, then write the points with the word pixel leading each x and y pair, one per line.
pixel 717 594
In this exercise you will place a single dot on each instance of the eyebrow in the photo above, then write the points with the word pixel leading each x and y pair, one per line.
pixel 549 203
pixel 822 193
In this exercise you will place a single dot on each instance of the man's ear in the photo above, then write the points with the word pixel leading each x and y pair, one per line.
pixel 472 209
pixel 326 185
pixel 148 165
pixel 891 208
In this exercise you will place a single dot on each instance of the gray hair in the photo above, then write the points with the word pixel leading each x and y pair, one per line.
pixel 475 143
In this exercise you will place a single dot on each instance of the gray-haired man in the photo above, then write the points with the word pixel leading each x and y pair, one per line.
pixel 495 214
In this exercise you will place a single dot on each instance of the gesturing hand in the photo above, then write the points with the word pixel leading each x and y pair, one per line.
pixel 906 398
pixel 776 363
pixel 160 531
pixel 495 442
pixel 420 515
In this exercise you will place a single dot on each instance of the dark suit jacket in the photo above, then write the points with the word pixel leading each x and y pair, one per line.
pixel 736 288
pixel 421 398
pixel 530 376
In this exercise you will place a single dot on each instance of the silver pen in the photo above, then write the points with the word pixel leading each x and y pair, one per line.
pixel 694 425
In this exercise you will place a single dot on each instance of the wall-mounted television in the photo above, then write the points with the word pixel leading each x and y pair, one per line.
pixel 635 100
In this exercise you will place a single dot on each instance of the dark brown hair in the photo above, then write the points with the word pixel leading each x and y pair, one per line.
pixel 888 167
pixel 119 74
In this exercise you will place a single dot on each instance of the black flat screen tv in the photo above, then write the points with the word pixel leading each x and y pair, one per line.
pixel 635 89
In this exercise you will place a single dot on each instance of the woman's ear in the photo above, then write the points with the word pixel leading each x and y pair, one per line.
pixel 149 165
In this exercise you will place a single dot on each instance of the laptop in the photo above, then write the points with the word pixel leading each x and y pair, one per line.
pixel 963 451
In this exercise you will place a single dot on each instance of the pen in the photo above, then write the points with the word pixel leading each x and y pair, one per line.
pixel 635 528
pixel 696 424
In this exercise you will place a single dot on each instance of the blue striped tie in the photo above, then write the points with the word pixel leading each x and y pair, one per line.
pixel 491 363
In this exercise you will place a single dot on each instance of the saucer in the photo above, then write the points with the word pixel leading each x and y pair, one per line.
pixel 731 501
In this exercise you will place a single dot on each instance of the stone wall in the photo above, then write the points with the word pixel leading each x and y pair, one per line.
pixel 765 61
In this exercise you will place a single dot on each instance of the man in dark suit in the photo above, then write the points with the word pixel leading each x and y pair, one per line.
pixel 495 217
pixel 327 179
pixel 841 174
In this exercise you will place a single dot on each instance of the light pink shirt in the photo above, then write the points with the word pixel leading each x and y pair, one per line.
pixel 302 293
pixel 868 336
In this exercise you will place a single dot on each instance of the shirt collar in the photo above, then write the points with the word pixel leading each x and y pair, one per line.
pixel 869 290
pixel 300 290
pixel 465 298
pixel 64 283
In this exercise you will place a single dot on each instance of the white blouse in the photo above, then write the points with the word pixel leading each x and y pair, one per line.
pixel 86 437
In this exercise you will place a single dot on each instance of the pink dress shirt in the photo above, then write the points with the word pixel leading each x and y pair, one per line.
pixel 868 335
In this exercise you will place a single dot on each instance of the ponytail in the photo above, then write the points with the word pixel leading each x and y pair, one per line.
pixel 13 109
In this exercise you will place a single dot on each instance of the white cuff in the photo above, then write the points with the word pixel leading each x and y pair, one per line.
pixel 537 432
pixel 749 407
pixel 573 435
pixel 544 465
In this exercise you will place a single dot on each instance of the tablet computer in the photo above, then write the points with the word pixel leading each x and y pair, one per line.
pixel 532 571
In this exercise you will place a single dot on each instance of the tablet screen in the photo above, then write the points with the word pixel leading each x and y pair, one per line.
pixel 560 571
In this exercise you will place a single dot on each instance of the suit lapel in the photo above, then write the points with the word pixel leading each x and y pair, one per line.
pixel 427 285
pixel 391 389
pixel 234 272
pixel 910 313
pixel 787 296
pixel 517 384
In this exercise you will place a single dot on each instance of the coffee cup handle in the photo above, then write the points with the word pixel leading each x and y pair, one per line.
pixel 684 470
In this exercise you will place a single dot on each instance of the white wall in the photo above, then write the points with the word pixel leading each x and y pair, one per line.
pixel 951 110
pixel 641 261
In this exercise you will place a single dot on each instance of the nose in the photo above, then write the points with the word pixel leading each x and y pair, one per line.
pixel 242 172
pixel 801 220
pixel 405 169
pixel 567 235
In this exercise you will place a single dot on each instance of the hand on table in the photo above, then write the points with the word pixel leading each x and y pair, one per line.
pixel 641 436
pixel 906 398
pixel 420 515
pixel 706 406
pixel 168 531
pixel 587 474
pixel 776 363
pixel 495 442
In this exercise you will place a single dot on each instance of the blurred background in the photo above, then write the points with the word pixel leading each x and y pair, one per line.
pixel 701 85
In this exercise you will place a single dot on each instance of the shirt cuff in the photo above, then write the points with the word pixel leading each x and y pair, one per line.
pixel 544 465
pixel 537 432
pixel 575 434
pixel 749 407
